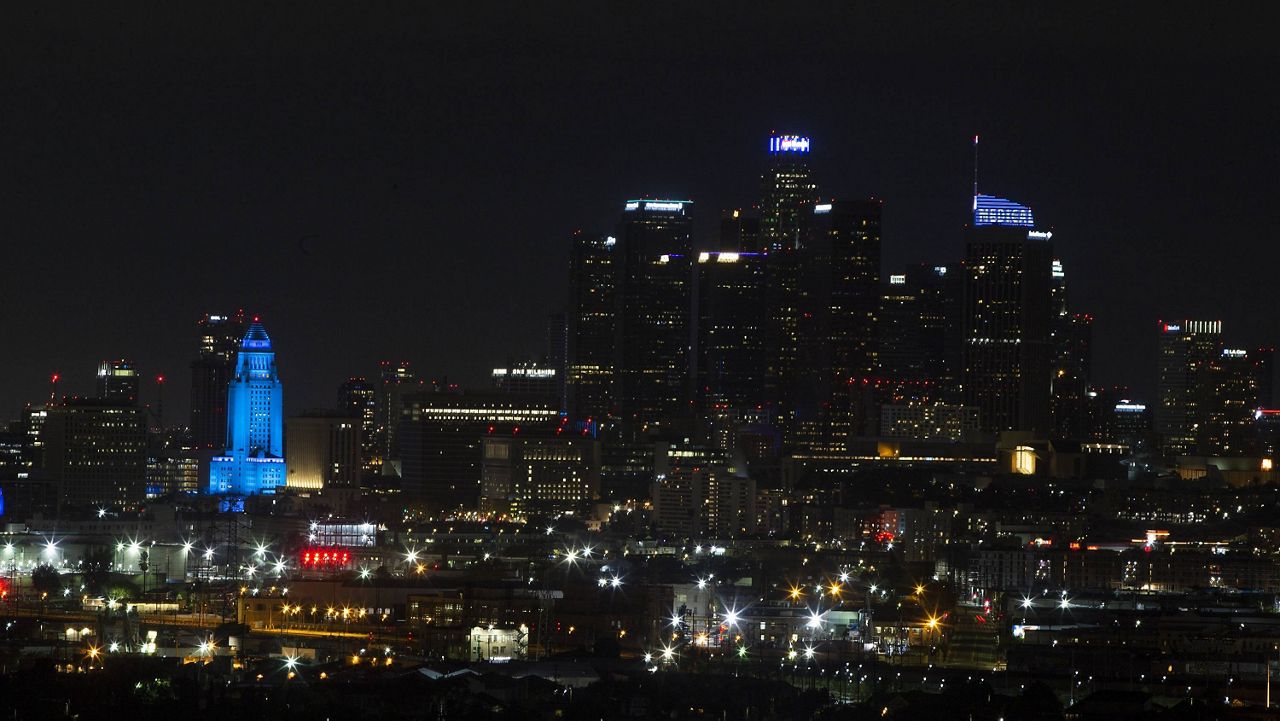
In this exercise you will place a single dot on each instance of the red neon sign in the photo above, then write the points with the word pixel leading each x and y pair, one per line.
pixel 324 558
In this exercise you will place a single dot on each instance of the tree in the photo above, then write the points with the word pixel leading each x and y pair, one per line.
pixel 46 579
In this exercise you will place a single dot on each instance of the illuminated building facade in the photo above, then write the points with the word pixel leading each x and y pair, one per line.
pixel 549 473
pixel 118 381
pixel 171 469
pixel 253 460
pixel 527 378
pixel 1187 349
pixel 1007 348
pixel 928 421
pixel 696 500
pixel 788 191
pixel 840 276
pixel 652 373
pixel 990 210
pixel 730 347
pixel 324 451
pixel 1229 428
pixel 591 324
pixel 211 374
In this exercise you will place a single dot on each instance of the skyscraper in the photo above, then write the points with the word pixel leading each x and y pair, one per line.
pixel 652 374
pixel 211 372
pixel 787 191
pixel 1072 337
pixel 357 399
pixel 1007 352
pixel 1187 348
pixel 550 473
pixel 253 460
pixel 440 437
pixel 394 380
pixel 914 325
pixel 1232 390
pixel 1264 375
pixel 527 378
pixel 840 277
pixel 324 451
pixel 558 353
pixel 730 352
pixel 118 381
pixel 740 231
pixel 591 325
pixel 95 450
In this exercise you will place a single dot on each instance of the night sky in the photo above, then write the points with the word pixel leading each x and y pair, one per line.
pixel 401 183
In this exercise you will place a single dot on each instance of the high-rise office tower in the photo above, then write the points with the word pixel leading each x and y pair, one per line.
pixel 591 325
pixel 729 347
pixel 558 353
pixel 1007 350
pixel 95 451
pixel 394 380
pixel 652 378
pixel 788 191
pixel 1069 379
pixel 253 460
pixel 440 438
pixel 171 469
pixel 914 325
pixel 358 399
pixel 324 450
pixel 118 381
pixel 1264 375
pixel 1072 338
pixel 840 264
pixel 211 372
pixel 898 331
pixel 1230 396
pixel 527 378
pixel 549 473
pixel 1187 348
pixel 740 231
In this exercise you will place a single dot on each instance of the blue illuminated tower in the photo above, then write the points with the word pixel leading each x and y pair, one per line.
pixel 253 461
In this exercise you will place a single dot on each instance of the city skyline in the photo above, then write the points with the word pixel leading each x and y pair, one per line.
pixel 673 361
pixel 1137 184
